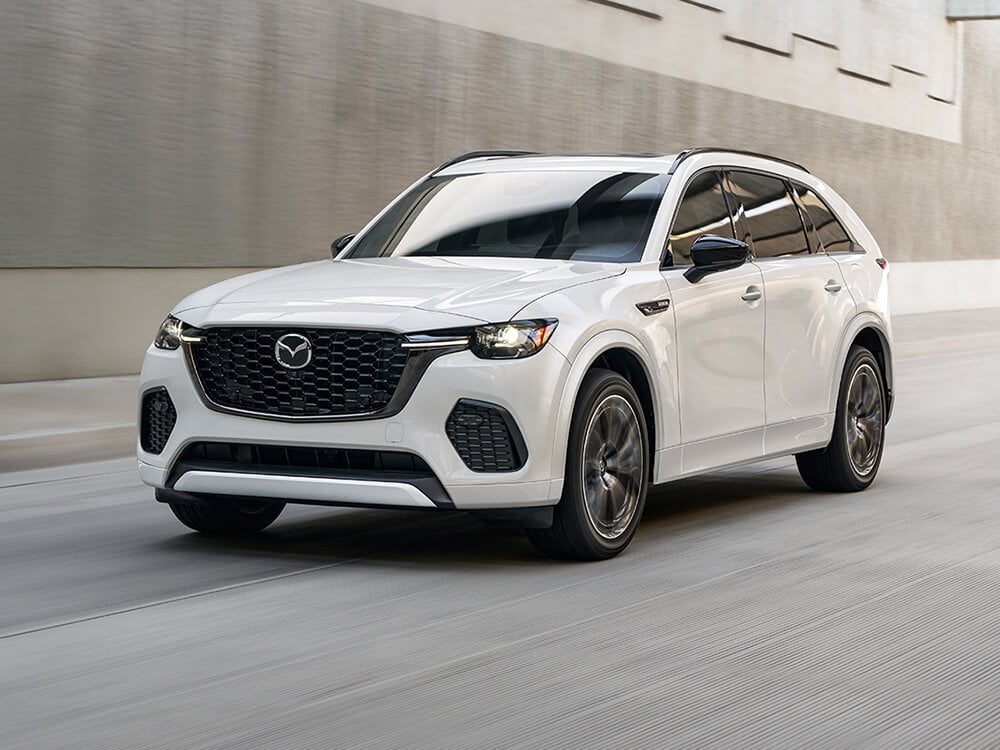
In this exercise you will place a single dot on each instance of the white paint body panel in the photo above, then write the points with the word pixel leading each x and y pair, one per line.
pixel 808 305
pixel 720 353
pixel 730 380
pixel 400 294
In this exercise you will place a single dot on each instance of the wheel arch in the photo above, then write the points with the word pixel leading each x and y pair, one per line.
pixel 620 352
pixel 868 331
pixel 630 367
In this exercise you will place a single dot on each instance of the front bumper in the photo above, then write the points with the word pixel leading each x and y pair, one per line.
pixel 527 388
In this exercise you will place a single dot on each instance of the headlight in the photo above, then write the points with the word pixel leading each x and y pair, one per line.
pixel 172 332
pixel 519 338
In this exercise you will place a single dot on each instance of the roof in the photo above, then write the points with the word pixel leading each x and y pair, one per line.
pixel 489 161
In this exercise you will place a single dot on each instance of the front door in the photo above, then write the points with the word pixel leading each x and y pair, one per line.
pixel 719 339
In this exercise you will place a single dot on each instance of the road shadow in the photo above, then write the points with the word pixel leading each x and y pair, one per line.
pixel 329 536
pixel 452 539
pixel 736 491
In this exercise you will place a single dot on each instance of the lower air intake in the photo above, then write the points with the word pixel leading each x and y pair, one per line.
pixel 486 437
pixel 158 418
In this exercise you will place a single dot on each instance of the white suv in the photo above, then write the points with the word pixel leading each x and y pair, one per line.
pixel 535 339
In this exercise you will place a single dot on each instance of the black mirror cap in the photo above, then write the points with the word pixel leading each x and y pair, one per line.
pixel 711 253
pixel 340 243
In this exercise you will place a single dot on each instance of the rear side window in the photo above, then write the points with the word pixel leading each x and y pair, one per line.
pixel 702 210
pixel 831 232
pixel 769 214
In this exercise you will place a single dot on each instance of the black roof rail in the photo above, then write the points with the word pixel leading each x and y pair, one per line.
pixel 711 149
pixel 481 155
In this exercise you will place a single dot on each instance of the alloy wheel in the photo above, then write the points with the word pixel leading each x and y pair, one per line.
pixel 864 423
pixel 613 467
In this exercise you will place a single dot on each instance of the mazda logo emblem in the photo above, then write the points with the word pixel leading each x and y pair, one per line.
pixel 293 351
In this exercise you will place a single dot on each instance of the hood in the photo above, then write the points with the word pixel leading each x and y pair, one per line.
pixel 403 294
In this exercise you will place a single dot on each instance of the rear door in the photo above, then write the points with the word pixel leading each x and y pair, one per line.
pixel 806 309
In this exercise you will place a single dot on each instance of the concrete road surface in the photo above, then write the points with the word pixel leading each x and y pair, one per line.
pixel 748 613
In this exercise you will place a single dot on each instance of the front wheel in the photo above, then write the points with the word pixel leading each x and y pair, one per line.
pixel 851 460
pixel 604 490
pixel 223 515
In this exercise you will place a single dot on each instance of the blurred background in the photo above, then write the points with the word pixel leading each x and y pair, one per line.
pixel 151 147
pixel 148 149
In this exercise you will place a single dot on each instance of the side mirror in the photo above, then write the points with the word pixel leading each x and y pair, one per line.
pixel 711 254
pixel 340 243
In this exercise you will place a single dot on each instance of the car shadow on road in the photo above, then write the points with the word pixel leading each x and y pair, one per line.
pixel 744 491
pixel 440 539
pixel 342 535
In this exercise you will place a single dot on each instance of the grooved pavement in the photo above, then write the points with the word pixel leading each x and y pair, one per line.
pixel 749 612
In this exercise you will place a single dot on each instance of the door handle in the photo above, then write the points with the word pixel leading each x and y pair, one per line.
pixel 752 294
pixel 833 287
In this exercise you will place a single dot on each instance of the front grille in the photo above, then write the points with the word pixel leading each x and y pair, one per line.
pixel 157 420
pixel 351 372
pixel 485 437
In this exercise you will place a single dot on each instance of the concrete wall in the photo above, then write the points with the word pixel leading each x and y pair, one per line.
pixel 138 140
pixel 86 322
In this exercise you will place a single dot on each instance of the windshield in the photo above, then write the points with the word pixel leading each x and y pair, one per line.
pixel 595 216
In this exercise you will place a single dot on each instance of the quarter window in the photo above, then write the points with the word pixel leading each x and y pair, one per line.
pixel 831 232
pixel 702 210
pixel 769 214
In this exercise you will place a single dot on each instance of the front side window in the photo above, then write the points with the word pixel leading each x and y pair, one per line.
pixel 702 210
pixel 831 232
pixel 588 216
pixel 769 214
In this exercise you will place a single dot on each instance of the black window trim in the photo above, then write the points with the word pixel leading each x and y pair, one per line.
pixel 745 231
pixel 812 233
pixel 673 217
pixel 854 242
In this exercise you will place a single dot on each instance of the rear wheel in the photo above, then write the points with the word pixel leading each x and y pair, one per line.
pixel 604 490
pixel 223 515
pixel 851 460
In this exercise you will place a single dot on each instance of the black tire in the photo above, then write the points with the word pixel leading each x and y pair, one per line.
pixel 607 403
pixel 223 515
pixel 851 460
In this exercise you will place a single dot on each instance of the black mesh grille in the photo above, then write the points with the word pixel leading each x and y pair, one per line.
pixel 320 463
pixel 485 437
pixel 339 460
pixel 158 419
pixel 351 372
